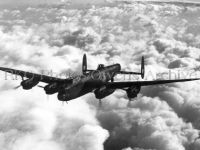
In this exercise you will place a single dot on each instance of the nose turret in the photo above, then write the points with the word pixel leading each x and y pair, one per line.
pixel 64 96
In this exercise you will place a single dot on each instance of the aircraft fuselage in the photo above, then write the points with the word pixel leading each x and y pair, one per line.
pixel 84 84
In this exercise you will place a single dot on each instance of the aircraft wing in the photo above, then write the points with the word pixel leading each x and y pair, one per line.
pixel 121 85
pixel 40 77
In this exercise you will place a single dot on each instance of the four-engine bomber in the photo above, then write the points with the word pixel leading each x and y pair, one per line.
pixel 100 82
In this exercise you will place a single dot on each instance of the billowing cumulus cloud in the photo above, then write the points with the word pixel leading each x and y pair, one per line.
pixel 28 123
pixel 54 39
pixel 148 123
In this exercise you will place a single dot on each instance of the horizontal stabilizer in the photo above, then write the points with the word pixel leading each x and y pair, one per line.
pixel 136 73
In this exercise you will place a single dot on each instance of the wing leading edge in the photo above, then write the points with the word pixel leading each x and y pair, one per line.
pixel 40 77
pixel 121 85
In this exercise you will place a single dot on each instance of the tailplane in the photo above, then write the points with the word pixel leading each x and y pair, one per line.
pixel 142 72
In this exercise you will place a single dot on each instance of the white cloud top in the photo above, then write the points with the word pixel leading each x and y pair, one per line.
pixel 49 38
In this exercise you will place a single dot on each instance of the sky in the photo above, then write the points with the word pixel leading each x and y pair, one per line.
pixel 54 39
pixel 36 2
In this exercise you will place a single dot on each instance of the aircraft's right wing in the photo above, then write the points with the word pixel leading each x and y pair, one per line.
pixel 39 77
pixel 121 85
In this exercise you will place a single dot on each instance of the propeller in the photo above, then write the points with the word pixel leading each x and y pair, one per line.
pixel 129 102
pixel 47 97
pixel 63 103
pixel 40 86
pixel 100 104
pixel 17 87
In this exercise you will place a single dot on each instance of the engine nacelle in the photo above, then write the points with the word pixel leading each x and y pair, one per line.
pixel 133 91
pixel 51 88
pixel 103 92
pixel 29 83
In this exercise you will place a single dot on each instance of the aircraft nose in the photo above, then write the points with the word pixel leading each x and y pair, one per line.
pixel 63 97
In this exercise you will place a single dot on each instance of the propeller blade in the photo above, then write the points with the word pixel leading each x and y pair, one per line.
pixel 40 86
pixel 47 97
pixel 15 88
pixel 129 103
pixel 100 104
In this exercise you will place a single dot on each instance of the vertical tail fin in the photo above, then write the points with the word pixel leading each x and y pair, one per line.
pixel 142 67
pixel 84 64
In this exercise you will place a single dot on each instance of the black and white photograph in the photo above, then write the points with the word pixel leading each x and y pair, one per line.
pixel 99 74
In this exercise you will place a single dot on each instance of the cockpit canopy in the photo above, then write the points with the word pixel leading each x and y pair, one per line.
pixel 100 66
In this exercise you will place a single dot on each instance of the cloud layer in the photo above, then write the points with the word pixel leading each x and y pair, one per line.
pixel 162 117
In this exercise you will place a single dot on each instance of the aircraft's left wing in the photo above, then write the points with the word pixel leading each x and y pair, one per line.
pixel 40 77
pixel 121 85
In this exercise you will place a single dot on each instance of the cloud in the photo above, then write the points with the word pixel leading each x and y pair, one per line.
pixel 28 122
pixel 21 2
pixel 148 123
pixel 49 2
pixel 161 118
